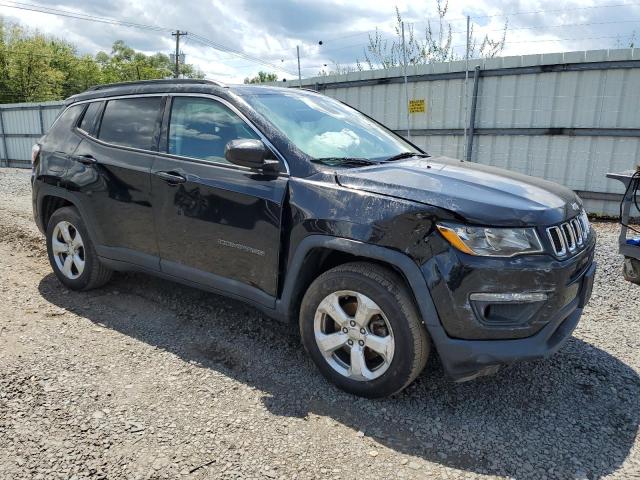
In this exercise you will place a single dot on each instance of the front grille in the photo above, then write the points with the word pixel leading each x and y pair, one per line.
pixel 569 237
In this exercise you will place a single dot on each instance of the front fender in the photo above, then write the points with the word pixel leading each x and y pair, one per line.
pixel 399 260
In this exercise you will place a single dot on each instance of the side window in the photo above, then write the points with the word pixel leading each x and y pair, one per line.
pixel 90 117
pixel 200 128
pixel 131 122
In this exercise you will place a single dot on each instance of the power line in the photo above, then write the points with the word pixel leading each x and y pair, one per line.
pixel 112 21
pixel 217 46
pixel 517 29
pixel 510 29
pixel 569 39
pixel 551 40
pixel 344 47
pixel 542 27
pixel 81 16
pixel 561 25
pixel 386 36
pixel 324 41
pixel 533 12
pixel 632 4
pixel 390 37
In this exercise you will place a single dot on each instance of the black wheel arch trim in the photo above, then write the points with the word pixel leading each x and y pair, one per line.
pixel 407 267
pixel 46 190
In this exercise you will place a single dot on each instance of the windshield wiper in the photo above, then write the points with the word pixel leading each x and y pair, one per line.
pixel 344 161
pixel 404 155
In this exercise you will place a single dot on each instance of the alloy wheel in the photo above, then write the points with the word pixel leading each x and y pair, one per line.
pixel 68 250
pixel 354 335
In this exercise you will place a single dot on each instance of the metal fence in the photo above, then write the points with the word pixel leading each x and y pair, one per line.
pixel 21 124
pixel 567 117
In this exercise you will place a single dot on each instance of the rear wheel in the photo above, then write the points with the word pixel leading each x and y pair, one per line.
pixel 360 326
pixel 71 252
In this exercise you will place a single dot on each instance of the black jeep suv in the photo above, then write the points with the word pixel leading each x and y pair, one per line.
pixel 315 213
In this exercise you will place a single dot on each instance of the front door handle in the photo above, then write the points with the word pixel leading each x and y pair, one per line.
pixel 171 177
pixel 85 159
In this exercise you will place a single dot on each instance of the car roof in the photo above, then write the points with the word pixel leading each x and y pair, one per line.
pixel 178 86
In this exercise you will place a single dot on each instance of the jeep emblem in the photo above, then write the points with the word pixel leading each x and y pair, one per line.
pixel 575 206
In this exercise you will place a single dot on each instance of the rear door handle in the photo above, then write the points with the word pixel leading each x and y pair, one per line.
pixel 85 159
pixel 171 177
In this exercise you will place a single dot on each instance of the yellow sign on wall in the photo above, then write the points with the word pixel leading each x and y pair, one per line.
pixel 417 106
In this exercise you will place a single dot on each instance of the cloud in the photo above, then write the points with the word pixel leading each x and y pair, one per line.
pixel 270 30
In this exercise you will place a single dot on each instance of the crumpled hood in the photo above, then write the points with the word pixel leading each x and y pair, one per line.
pixel 478 193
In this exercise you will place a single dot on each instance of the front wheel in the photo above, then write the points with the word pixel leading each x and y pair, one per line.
pixel 360 326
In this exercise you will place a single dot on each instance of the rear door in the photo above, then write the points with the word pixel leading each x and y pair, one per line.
pixel 111 170
pixel 217 224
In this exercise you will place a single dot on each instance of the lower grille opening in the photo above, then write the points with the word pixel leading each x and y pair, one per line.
pixel 506 314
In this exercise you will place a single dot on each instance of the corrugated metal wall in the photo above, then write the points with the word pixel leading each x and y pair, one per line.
pixel 579 111
pixel 21 124
pixel 567 117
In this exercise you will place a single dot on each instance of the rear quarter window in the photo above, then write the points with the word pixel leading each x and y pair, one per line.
pixel 67 119
pixel 131 122
pixel 60 136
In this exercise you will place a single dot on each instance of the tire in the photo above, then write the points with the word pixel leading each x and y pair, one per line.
pixel 393 326
pixel 81 275
pixel 631 270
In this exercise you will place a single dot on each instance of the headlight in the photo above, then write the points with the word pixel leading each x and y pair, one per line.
pixel 491 241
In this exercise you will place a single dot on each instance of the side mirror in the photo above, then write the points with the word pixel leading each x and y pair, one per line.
pixel 251 153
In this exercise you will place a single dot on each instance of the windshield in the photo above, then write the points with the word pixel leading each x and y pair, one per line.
pixel 324 128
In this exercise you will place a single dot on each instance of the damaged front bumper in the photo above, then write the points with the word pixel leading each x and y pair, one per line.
pixel 479 330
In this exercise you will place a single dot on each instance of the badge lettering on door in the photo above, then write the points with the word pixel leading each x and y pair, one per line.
pixel 239 246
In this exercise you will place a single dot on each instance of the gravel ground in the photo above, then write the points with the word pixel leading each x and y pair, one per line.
pixel 148 379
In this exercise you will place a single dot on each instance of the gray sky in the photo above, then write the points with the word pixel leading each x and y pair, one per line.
pixel 270 30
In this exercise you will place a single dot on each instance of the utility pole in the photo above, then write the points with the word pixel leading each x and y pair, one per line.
pixel 406 84
pixel 299 75
pixel 466 87
pixel 178 34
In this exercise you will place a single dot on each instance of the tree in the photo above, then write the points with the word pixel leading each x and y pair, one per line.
pixel 125 64
pixel 629 43
pixel 339 69
pixel 29 70
pixel 35 67
pixel 435 47
pixel 262 77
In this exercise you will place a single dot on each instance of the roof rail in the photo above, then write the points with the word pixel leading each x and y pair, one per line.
pixel 183 81
pixel 307 89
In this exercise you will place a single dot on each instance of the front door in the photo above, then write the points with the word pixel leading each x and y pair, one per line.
pixel 217 224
